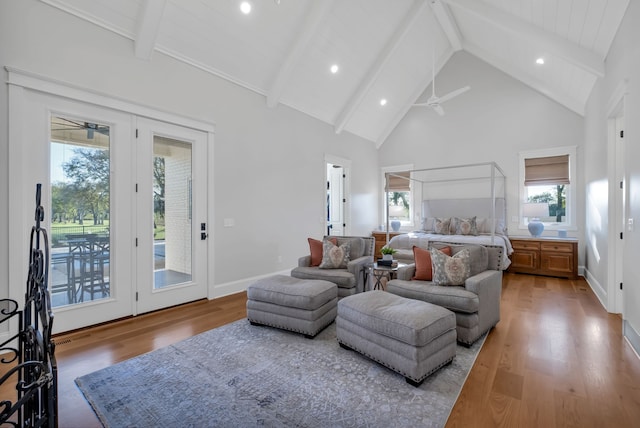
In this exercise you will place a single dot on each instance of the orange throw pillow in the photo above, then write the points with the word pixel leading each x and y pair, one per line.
pixel 315 247
pixel 422 258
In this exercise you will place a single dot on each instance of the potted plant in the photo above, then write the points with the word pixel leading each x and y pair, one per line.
pixel 387 253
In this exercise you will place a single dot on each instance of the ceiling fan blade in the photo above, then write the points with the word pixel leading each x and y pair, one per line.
pixel 454 94
pixel 438 109
pixel 421 105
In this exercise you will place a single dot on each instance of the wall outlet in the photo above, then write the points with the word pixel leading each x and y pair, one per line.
pixel 279 259
pixel 630 225
pixel 229 222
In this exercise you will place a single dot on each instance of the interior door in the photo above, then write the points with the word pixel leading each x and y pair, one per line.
pixel 171 215
pixel 335 200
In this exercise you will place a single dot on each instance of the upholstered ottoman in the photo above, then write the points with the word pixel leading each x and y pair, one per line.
pixel 411 337
pixel 302 305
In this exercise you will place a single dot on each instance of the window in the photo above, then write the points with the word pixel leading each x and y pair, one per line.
pixel 399 193
pixel 546 181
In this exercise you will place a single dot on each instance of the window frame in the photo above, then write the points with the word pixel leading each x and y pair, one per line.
pixel 570 192
pixel 412 208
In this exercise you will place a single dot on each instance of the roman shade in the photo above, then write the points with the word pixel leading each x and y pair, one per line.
pixel 548 170
pixel 398 181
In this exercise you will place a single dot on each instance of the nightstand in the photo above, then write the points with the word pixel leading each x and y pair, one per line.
pixel 545 256
pixel 381 240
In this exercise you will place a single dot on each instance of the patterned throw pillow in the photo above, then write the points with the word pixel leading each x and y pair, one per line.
pixel 441 226
pixel 465 226
pixel 334 257
pixel 422 257
pixel 315 249
pixel 450 270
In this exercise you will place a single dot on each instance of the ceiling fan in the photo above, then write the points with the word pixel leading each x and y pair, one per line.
pixel 435 101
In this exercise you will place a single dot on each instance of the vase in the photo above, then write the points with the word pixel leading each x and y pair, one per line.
pixel 395 225
pixel 387 257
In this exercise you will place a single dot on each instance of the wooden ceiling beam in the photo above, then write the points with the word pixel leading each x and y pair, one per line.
pixel 447 23
pixel 383 58
pixel 318 12
pixel 148 27
pixel 550 42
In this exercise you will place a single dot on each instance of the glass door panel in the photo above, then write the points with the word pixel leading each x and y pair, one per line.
pixel 172 212
pixel 80 211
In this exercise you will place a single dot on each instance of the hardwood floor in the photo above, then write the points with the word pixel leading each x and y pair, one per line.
pixel 556 359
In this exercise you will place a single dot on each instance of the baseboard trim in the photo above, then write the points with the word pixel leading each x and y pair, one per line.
pixel 228 288
pixel 597 288
pixel 631 336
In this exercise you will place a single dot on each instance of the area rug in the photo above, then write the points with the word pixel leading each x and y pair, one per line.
pixel 241 375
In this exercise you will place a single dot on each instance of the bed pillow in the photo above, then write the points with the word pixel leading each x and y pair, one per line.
pixel 428 224
pixel 484 226
pixel 465 226
pixel 334 257
pixel 450 270
pixel 315 250
pixel 422 258
pixel 442 226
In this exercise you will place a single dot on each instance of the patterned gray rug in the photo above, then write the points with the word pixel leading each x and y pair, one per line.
pixel 240 375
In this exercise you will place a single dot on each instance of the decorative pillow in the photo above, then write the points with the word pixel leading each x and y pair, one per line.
pixel 441 226
pixel 428 224
pixel 422 257
pixel 334 257
pixel 315 249
pixel 465 226
pixel 450 270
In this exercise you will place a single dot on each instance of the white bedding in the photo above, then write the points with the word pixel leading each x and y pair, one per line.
pixel 421 239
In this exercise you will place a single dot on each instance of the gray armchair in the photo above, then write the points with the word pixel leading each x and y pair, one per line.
pixel 476 304
pixel 350 280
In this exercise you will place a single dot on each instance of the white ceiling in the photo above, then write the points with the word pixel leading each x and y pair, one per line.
pixel 284 49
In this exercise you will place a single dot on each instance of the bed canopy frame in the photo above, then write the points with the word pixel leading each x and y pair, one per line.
pixel 477 180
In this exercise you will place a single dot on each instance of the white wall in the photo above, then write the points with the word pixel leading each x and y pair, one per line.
pixel 623 62
pixel 494 121
pixel 269 163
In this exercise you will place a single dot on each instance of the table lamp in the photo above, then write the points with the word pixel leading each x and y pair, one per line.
pixel 533 211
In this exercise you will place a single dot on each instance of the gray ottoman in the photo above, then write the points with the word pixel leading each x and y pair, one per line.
pixel 411 337
pixel 301 305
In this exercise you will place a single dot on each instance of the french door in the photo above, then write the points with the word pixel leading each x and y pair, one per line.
pixel 124 208
pixel 171 199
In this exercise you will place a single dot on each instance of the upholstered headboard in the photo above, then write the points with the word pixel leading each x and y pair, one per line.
pixel 479 207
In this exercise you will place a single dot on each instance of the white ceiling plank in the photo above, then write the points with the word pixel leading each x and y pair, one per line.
pixel 148 26
pixel 318 12
pixel 408 104
pixel 569 102
pixel 575 54
pixel 401 31
pixel 447 23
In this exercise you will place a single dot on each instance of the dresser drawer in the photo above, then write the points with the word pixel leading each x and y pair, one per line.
pixel 562 247
pixel 525 245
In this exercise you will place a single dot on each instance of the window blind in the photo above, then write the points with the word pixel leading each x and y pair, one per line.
pixel 398 182
pixel 547 170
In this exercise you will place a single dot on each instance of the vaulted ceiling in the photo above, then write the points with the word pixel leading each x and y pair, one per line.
pixel 284 49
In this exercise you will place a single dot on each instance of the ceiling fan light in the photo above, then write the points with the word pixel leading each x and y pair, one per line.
pixel 245 7
pixel 540 61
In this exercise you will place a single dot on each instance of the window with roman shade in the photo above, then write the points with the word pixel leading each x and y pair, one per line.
pixel 547 176
pixel 398 182
pixel 549 170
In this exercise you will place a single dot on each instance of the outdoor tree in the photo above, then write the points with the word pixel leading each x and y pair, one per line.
pixel 158 187
pixel 555 199
pixel 88 172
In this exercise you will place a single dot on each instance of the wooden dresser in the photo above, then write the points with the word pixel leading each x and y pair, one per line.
pixel 381 240
pixel 545 256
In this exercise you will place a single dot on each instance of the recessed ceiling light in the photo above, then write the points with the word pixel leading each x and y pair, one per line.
pixel 540 61
pixel 245 7
pixel 383 102
pixel 334 68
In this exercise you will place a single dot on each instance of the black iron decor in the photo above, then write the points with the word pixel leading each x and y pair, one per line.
pixel 34 369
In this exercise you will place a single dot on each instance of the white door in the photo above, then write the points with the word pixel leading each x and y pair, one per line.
pixel 81 154
pixel 171 200
pixel 621 213
pixel 335 200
